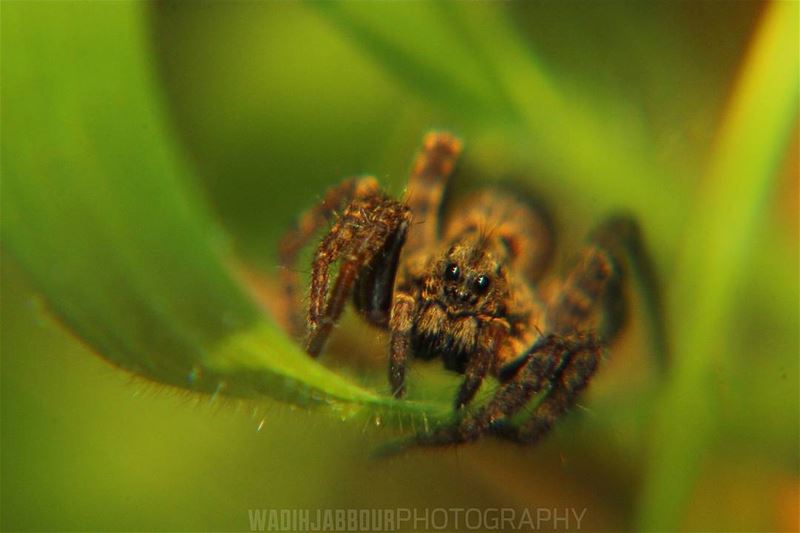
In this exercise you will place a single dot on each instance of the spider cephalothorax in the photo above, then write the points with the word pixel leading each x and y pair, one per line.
pixel 459 291
pixel 467 290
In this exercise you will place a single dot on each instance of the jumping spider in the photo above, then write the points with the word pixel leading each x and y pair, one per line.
pixel 468 291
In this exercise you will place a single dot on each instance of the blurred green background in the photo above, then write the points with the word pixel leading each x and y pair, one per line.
pixel 152 154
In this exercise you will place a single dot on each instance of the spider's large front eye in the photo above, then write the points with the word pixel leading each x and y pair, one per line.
pixel 481 284
pixel 452 272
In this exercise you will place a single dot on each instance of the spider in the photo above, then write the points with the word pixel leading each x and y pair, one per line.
pixel 465 286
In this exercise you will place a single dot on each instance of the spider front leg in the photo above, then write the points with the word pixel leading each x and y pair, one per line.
pixel 555 363
pixel 359 236
pixel 569 358
pixel 566 371
pixel 489 340
pixel 401 323
pixel 334 200
pixel 595 283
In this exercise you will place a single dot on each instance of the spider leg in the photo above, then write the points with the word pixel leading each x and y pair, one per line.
pixel 569 374
pixel 622 237
pixel 400 324
pixel 361 232
pixel 295 239
pixel 615 249
pixel 594 282
pixel 581 291
pixel 541 364
pixel 489 340
pixel 433 165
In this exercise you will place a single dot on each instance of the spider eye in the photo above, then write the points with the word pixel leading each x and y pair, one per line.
pixel 452 272
pixel 482 283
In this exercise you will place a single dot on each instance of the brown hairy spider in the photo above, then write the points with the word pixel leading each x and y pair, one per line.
pixel 465 287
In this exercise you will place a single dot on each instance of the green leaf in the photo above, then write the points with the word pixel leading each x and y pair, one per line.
pixel 99 210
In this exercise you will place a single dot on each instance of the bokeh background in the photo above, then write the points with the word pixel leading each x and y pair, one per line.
pixel 152 154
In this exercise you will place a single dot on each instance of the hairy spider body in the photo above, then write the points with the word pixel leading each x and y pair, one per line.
pixel 465 289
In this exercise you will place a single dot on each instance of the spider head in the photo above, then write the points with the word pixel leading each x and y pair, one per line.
pixel 471 279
